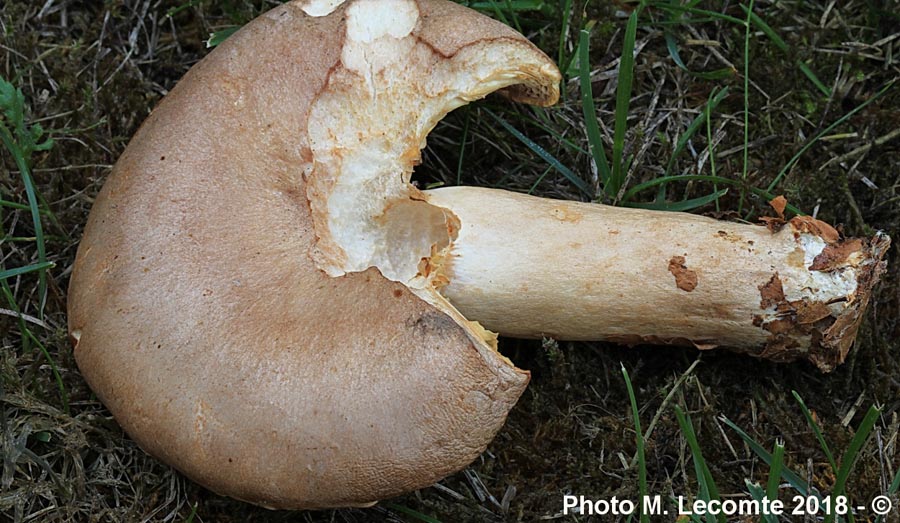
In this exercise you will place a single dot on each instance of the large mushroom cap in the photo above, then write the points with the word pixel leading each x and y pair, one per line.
pixel 229 302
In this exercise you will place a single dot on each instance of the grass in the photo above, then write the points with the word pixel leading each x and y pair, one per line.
pixel 623 100
pixel 673 105
pixel 835 507
pixel 828 507
pixel 746 148
pixel 21 142
pixel 588 107
pixel 708 491
pixel 643 490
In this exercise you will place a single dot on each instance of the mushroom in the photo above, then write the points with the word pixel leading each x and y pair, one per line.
pixel 264 302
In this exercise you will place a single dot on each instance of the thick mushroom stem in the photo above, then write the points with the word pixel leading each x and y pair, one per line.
pixel 531 267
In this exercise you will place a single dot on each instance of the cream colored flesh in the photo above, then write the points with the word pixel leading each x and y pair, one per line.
pixel 366 130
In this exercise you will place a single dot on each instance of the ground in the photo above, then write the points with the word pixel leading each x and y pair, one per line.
pixel 91 72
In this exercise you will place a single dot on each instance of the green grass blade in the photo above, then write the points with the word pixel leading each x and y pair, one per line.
pixel 781 174
pixel 703 178
pixel 623 99
pixel 758 494
pixel 462 146
pixel 756 491
pixel 547 157
pixel 665 6
pixel 813 78
pixel 893 489
pixel 221 35
pixel 793 479
pixel 539 180
pixel 569 144
pixel 508 4
pixel 177 9
pixel 639 442
pixel 708 489
pixel 410 512
pixel 710 148
pixel 848 460
pixel 766 29
pixel 668 23
pixel 511 6
pixel 683 205
pixel 775 471
pixel 22 140
pixel 745 166
pixel 752 18
pixel 193 514
pixel 34 208
pixel 9 273
pixel 14 205
pixel 695 125
pixel 595 139
pixel 566 15
pixel 491 6
pixel 672 47
pixel 783 46
pixel 716 74
pixel 44 209
pixel 817 431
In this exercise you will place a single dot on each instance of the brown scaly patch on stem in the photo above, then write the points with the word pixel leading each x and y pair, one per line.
pixel 834 256
pixel 685 278
pixel 829 334
pixel 810 225
pixel 772 292
pixel 775 223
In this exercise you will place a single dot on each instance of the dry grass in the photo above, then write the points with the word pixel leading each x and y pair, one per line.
pixel 92 71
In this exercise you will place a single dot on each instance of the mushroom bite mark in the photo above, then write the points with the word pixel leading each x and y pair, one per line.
pixel 263 300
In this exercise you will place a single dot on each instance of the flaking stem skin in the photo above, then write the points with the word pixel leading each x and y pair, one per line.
pixel 532 267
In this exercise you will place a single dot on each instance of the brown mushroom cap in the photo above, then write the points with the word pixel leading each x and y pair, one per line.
pixel 199 303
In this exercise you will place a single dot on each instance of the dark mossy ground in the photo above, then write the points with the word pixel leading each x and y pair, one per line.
pixel 92 71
